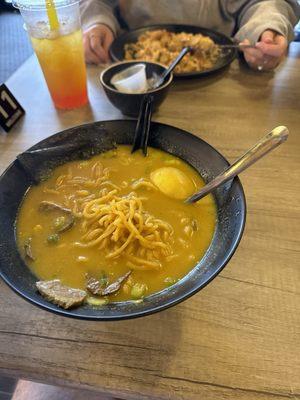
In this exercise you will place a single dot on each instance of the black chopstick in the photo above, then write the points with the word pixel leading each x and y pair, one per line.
pixel 138 129
pixel 143 125
pixel 147 123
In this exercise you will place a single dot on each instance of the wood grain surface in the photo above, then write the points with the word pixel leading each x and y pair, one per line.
pixel 236 339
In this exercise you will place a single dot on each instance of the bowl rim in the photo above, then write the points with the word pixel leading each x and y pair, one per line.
pixel 48 306
pixel 102 73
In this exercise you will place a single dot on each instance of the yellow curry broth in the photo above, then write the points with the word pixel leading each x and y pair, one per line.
pixel 193 224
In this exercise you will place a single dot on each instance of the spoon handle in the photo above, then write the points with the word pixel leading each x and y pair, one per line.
pixel 261 148
pixel 237 46
pixel 163 76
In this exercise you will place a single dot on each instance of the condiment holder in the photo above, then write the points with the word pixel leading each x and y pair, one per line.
pixel 131 80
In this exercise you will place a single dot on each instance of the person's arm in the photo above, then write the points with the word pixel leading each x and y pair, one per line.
pixel 96 12
pixel 99 26
pixel 269 24
pixel 258 16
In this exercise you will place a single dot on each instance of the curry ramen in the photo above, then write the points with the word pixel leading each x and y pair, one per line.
pixel 114 227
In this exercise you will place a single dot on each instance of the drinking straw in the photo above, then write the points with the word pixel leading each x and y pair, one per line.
pixel 52 15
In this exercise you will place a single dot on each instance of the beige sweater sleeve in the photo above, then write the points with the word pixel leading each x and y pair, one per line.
pixel 257 16
pixel 98 12
pixel 250 17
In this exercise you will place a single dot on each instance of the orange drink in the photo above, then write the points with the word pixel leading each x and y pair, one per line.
pixel 62 61
pixel 55 32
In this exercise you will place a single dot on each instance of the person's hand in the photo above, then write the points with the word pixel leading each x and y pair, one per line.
pixel 96 42
pixel 268 52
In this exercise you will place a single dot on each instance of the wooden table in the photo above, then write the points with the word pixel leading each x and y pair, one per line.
pixel 236 339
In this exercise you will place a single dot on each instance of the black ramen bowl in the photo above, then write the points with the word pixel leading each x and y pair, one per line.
pixel 129 103
pixel 230 202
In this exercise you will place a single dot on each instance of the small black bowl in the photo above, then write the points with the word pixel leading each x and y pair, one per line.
pixel 129 103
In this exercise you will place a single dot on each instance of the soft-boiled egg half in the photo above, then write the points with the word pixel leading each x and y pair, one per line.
pixel 173 182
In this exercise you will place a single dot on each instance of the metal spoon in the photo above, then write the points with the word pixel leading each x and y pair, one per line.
pixel 237 46
pixel 261 148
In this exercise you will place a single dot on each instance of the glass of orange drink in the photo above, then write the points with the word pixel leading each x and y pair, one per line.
pixel 59 49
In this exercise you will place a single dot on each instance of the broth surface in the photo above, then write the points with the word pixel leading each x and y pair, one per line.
pixel 192 225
